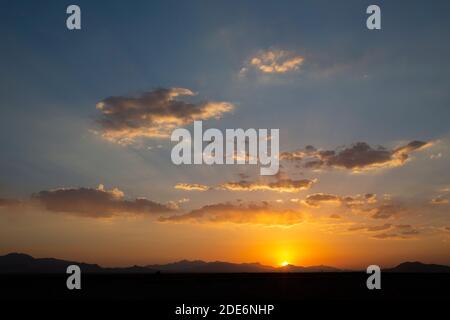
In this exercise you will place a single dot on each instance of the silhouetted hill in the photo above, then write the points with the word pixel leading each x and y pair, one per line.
pixel 211 267
pixel 23 263
pixel 418 267
pixel 321 268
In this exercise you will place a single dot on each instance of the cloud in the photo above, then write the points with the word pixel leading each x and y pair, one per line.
pixel 379 228
pixel 262 214
pixel 154 114
pixel 357 228
pixel 386 236
pixel 442 199
pixel 317 199
pixel 386 211
pixel 395 231
pixel 406 229
pixel 175 205
pixel 358 157
pixel 7 203
pixel 371 197
pixel 335 216
pixel 365 205
pixel 314 200
pixel 97 203
pixel 408 234
pixel 273 62
pixel 191 187
pixel 281 185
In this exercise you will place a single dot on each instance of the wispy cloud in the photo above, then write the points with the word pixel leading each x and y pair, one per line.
pixel 273 62
pixel 191 187
pixel 389 231
pixel 441 199
pixel 282 185
pixel 318 199
pixel 257 214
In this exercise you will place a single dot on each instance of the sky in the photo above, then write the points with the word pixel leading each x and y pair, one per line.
pixel 86 117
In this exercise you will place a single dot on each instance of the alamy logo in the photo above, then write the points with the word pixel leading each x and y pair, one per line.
pixel 74 280
pixel 241 147
pixel 373 22
pixel 374 280
pixel 73 21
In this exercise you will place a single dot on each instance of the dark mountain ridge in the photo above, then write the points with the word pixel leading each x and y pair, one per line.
pixel 23 263
pixel 419 267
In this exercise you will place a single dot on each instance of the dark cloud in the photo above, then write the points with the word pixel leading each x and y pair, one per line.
pixel 96 203
pixel 386 211
pixel 358 157
pixel 9 203
pixel 371 228
pixel 410 232
pixel 370 197
pixel 407 229
pixel 442 199
pixel 403 226
pixel 357 228
pixel 400 231
pixel 191 187
pixel 292 156
pixel 390 231
pixel 397 236
pixel 245 176
pixel 314 200
pixel 379 228
pixel 153 114
pixel 281 185
pixel 386 236
pixel 258 214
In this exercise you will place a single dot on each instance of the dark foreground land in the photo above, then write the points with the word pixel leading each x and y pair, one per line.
pixel 262 287
pixel 157 296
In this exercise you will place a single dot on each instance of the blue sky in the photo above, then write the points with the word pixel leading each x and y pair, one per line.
pixel 50 74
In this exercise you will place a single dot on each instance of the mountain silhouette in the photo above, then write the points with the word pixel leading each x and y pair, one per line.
pixel 23 263
pixel 199 266
pixel 419 267
pixel 321 268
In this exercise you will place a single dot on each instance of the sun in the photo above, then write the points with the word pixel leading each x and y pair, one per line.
pixel 284 263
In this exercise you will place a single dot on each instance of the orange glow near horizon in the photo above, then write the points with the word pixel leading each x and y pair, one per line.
pixel 306 244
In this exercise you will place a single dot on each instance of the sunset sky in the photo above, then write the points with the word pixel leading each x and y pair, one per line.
pixel 86 118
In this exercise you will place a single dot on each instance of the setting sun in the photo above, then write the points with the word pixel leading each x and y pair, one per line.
pixel 284 263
